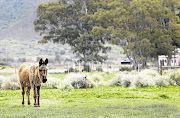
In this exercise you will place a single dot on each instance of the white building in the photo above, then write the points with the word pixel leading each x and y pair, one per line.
pixel 175 61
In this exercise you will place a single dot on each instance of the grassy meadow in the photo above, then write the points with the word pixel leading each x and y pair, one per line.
pixel 98 102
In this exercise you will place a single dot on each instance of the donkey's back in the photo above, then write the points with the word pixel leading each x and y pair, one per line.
pixel 24 72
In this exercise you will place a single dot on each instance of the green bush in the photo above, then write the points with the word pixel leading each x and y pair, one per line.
pixel 97 79
pixel 65 86
pixel 116 81
pixel 175 78
pixel 145 78
pixel 79 81
pixel 125 69
pixel 72 70
pixel 11 83
pixel 121 80
pixel 51 83
pixel 99 69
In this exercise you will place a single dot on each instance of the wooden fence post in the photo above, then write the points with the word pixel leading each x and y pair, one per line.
pixel 15 69
pixel 80 68
pixel 161 68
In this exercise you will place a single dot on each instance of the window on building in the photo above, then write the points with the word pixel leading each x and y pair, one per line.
pixel 165 61
pixel 172 61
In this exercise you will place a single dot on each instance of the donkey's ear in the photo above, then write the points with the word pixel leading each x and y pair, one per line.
pixel 40 62
pixel 46 61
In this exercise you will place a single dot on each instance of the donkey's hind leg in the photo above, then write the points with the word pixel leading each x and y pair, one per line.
pixel 28 94
pixel 38 93
pixel 23 92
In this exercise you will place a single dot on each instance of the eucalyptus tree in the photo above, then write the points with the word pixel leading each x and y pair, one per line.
pixel 71 23
pixel 144 28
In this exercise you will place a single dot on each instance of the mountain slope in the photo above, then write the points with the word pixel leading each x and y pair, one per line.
pixel 16 18
pixel 18 40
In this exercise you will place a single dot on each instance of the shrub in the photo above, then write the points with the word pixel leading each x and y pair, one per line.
pixel 125 69
pixel 65 86
pixel 11 83
pixel 96 79
pixel 148 78
pixel 162 81
pixel 151 73
pixel 73 70
pixel 2 79
pixel 57 83
pixel 145 78
pixel 126 80
pixel 99 69
pixel 121 79
pixel 78 81
pixel 51 83
pixel 140 81
pixel 167 72
pixel 116 81
pixel 175 78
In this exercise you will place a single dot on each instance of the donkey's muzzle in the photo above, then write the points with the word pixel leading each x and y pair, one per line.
pixel 44 79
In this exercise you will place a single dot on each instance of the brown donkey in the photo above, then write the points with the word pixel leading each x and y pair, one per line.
pixel 31 76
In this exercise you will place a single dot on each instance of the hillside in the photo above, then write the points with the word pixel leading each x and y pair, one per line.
pixel 16 18
pixel 18 40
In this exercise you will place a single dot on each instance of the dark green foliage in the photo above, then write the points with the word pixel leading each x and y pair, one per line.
pixel 144 28
pixel 72 70
pixel 164 96
pixel 125 69
pixel 99 69
pixel 86 68
pixel 87 47
pixel 71 24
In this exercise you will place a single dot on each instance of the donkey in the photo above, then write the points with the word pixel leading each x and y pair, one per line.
pixel 31 76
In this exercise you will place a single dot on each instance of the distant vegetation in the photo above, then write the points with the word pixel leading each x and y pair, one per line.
pixel 144 29
pixel 133 79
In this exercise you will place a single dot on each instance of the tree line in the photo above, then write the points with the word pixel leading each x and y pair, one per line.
pixel 143 28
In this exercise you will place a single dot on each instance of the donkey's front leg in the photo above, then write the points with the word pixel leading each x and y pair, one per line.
pixel 35 95
pixel 38 92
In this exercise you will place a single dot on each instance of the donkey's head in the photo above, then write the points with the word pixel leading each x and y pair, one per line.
pixel 43 70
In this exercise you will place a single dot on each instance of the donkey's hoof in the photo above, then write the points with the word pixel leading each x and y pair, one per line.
pixel 29 103
pixel 22 103
pixel 36 106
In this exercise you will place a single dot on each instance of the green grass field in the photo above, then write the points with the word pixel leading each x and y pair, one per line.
pixel 100 102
